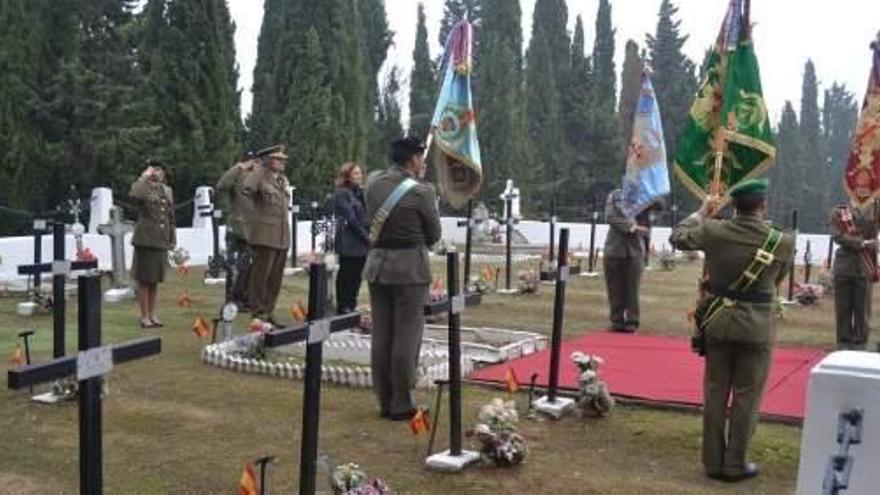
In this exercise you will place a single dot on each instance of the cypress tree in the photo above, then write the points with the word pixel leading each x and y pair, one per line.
pixel 376 38
pixel 422 91
pixel 389 125
pixel 605 86
pixel 630 87
pixel 787 176
pixel 501 122
pixel 261 122
pixel 579 121
pixel 839 116
pixel 815 191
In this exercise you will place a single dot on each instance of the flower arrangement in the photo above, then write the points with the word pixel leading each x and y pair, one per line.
pixel 528 281
pixel 478 285
pixel 350 479
pixel 593 395
pixel 496 432
pixel 808 294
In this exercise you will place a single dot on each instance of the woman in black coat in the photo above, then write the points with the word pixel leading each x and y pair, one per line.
pixel 352 235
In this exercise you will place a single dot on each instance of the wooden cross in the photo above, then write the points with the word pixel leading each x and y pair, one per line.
pixel 92 362
pixel 60 269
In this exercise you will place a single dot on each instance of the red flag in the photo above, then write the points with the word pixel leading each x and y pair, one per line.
pixel 862 177
pixel 201 328
pixel 510 381
pixel 298 313
pixel 420 422
pixel 247 485
pixel 17 356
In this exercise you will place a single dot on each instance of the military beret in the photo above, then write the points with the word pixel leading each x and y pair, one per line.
pixel 749 186
pixel 402 149
pixel 276 151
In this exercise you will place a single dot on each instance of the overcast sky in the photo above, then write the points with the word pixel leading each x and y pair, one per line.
pixel 834 34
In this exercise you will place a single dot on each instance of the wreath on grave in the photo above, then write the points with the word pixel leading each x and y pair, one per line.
pixel 808 294
pixel 350 479
pixel 496 431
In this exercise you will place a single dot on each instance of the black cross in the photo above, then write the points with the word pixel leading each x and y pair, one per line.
pixel 39 232
pixel 90 446
pixel 469 223
pixel 60 269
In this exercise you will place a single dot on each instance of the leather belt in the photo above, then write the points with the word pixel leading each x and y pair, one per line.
pixel 748 297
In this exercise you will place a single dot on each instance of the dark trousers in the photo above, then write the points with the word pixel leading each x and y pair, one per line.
pixel 348 282
pixel 398 323
pixel 623 277
pixel 852 306
pixel 735 374
pixel 264 281
pixel 241 260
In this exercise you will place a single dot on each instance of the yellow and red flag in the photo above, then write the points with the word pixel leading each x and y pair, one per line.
pixel 298 313
pixel 510 381
pixel 201 328
pixel 488 274
pixel 185 300
pixel 862 177
pixel 420 422
pixel 17 358
pixel 247 485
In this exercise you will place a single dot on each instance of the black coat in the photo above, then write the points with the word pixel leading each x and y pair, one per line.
pixel 352 224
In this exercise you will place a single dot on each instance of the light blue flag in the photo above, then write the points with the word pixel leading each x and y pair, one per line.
pixel 454 150
pixel 647 175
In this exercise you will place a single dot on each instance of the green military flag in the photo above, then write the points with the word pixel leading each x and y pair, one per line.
pixel 727 137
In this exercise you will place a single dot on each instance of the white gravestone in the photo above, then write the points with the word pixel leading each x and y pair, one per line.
pixel 101 202
pixel 841 382
pixel 203 205
pixel 117 229
pixel 513 192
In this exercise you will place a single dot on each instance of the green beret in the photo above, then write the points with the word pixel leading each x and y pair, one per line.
pixel 749 186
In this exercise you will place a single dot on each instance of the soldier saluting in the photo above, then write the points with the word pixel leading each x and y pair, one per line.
pixel 746 260
pixel 230 190
pixel 268 230
pixel 404 222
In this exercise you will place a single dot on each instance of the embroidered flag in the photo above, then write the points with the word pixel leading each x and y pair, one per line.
pixel 510 381
pixel 247 484
pixel 420 422
pixel 727 137
pixel 862 177
pixel 647 177
pixel 201 328
pixel 455 150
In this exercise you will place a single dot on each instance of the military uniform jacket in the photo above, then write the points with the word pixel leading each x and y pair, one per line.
pixel 268 220
pixel 847 258
pixel 622 240
pixel 155 227
pixel 230 191
pixel 413 225
pixel 730 245
pixel 352 225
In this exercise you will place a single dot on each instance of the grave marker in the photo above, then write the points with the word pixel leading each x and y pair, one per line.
pixel 117 230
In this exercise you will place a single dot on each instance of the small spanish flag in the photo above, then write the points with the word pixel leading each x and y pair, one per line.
pixel 420 422
pixel 183 270
pixel 510 381
pixel 247 485
pixel 298 312
pixel 201 328
pixel 488 274
pixel 17 356
pixel 185 300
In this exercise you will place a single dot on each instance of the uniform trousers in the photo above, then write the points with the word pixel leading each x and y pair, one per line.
pixel 623 276
pixel 735 374
pixel 264 281
pixel 241 257
pixel 398 324
pixel 852 306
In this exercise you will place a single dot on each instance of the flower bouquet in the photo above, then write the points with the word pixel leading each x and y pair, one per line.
pixel 593 395
pixel 528 281
pixel 808 294
pixel 350 479
pixel 496 432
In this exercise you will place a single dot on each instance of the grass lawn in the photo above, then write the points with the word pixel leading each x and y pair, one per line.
pixel 174 425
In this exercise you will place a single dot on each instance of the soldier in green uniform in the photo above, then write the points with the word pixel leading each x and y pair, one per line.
pixel 855 232
pixel 230 192
pixel 268 230
pixel 154 234
pixel 404 222
pixel 746 262
pixel 623 260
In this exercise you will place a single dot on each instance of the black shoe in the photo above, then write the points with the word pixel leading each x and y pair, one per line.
pixel 750 470
pixel 623 330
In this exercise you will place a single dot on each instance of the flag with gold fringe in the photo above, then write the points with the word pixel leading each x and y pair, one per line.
pixel 420 422
pixel 862 177
pixel 727 137
pixel 247 484
pixel 454 150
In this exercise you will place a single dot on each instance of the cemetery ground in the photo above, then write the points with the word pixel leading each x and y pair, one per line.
pixel 175 425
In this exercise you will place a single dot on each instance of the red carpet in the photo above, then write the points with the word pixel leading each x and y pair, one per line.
pixel 663 370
